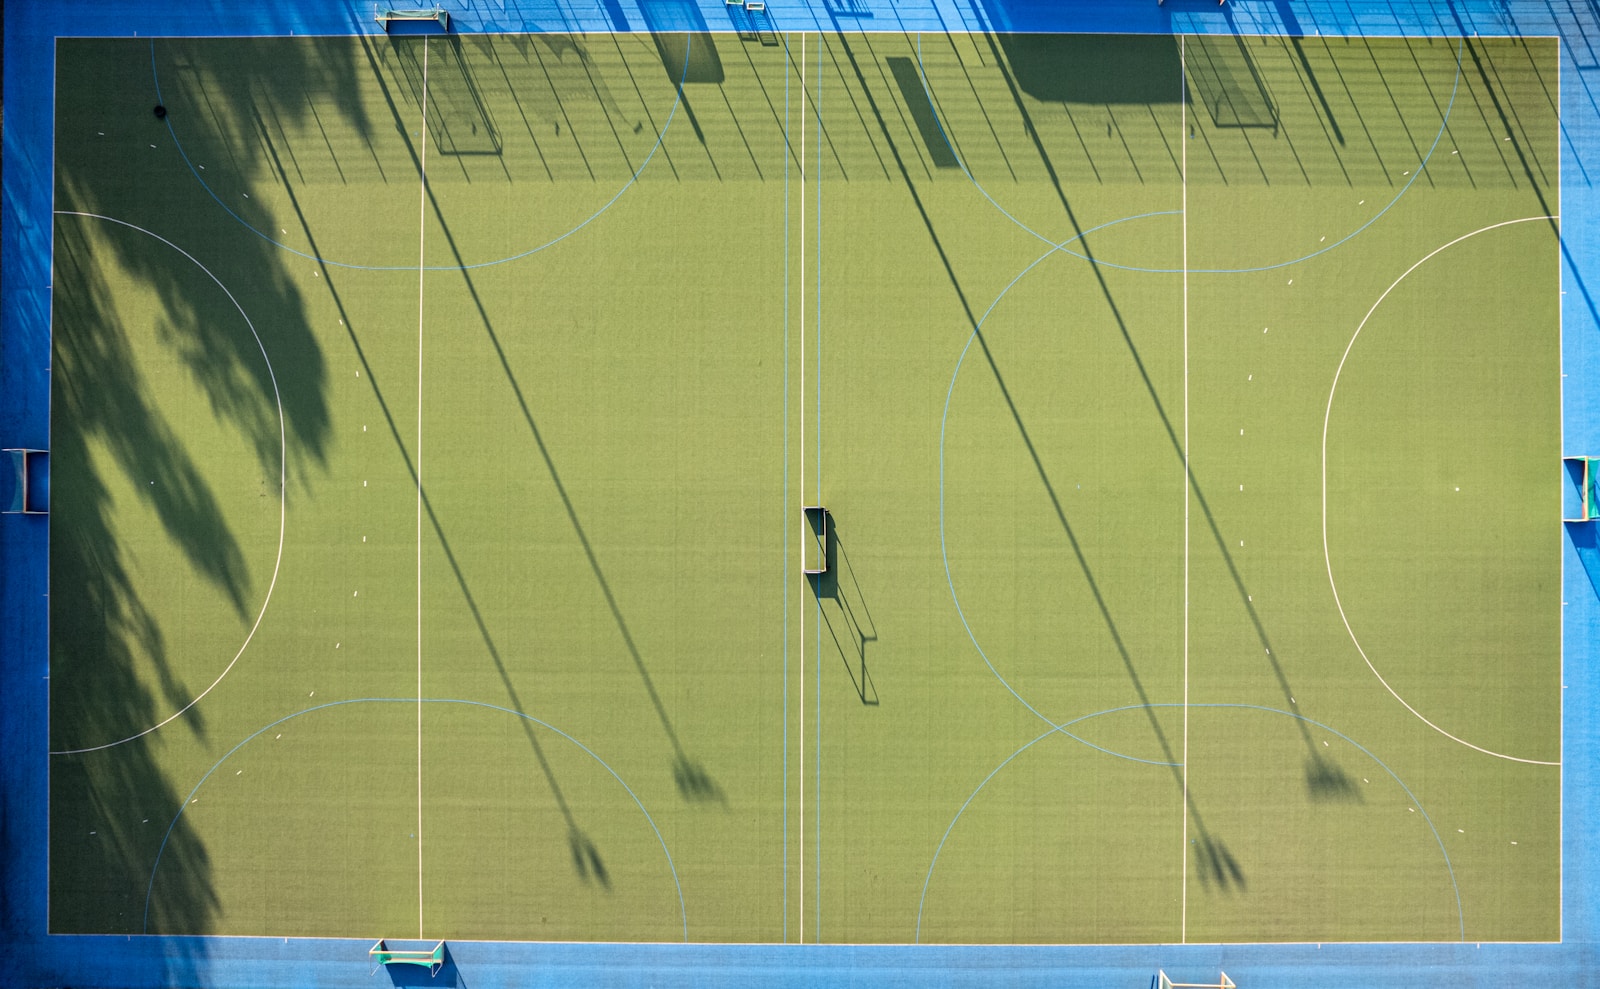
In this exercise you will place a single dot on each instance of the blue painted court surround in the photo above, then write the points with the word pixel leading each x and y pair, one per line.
pixel 29 957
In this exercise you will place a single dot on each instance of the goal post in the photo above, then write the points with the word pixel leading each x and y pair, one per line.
pixel 430 958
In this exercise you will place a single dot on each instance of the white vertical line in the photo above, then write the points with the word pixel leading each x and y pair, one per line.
pixel 1183 138
pixel 422 260
pixel 803 532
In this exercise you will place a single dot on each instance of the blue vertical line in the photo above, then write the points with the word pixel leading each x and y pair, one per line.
pixel 785 505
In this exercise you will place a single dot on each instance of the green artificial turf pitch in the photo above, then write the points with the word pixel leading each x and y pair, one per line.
pixel 557 495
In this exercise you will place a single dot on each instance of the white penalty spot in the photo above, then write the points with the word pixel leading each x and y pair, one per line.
pixel 239 772
pixel 1412 809
pixel 1324 743
pixel 312 694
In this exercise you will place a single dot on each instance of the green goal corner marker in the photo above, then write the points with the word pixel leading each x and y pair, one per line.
pixel 430 958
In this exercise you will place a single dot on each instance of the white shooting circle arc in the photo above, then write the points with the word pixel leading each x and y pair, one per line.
pixel 283 463
pixel 1326 556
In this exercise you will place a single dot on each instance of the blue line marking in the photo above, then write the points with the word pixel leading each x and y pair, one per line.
pixel 149 889
pixel 661 136
pixel 1444 125
pixel 1460 916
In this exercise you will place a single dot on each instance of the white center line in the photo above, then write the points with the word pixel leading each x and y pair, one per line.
pixel 422 227
pixel 1183 138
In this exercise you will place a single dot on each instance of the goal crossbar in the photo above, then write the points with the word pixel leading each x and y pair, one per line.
pixel 388 15
pixel 1163 981
pixel 430 958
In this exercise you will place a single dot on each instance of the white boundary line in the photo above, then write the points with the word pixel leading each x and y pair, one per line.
pixel 283 464
pixel 1183 811
pixel 1326 556
pixel 422 274
pixel 1185 273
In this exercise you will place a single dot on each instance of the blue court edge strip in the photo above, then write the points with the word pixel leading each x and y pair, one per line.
pixel 32 957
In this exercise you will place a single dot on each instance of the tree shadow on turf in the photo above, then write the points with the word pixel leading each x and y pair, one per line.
pixel 115 670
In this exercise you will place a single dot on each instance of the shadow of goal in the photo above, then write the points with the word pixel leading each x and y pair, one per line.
pixel 1227 81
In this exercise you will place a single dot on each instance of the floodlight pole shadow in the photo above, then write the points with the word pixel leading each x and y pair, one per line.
pixel 692 781
pixel 586 858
